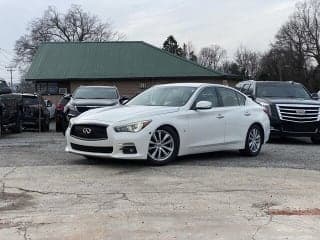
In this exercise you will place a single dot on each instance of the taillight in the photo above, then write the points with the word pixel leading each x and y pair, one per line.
pixel 60 107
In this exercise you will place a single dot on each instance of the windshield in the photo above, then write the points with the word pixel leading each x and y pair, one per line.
pixel 95 93
pixel 282 91
pixel 164 96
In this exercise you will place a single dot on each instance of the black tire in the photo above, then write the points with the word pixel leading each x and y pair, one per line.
pixel 315 140
pixel 173 144
pixel 1 129
pixel 45 125
pixel 58 125
pixel 255 134
pixel 18 126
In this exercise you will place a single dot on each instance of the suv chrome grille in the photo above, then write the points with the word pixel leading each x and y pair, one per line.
pixel 298 113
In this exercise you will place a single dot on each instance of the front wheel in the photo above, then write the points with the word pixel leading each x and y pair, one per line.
pixel 163 146
pixel 254 141
pixel 315 140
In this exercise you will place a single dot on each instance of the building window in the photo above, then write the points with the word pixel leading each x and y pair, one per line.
pixel 143 85
pixel 47 88
pixel 63 91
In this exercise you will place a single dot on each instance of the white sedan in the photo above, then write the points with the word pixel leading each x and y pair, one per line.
pixel 172 120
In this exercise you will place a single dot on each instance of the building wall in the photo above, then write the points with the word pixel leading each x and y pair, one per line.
pixel 130 87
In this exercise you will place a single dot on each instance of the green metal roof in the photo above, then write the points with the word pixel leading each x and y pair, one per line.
pixel 101 60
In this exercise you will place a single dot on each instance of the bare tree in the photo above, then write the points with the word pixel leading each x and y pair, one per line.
pixel 248 62
pixel 75 25
pixel 189 51
pixel 212 57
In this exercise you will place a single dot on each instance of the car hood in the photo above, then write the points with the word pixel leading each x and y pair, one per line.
pixel 94 102
pixel 124 113
pixel 288 101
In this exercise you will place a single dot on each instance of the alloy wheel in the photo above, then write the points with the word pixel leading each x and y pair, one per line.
pixel 254 140
pixel 161 145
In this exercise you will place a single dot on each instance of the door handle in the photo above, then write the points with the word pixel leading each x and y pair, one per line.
pixel 247 114
pixel 220 116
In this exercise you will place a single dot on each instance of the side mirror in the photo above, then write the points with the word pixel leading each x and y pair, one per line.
pixel 123 100
pixel 250 96
pixel 203 105
pixel 315 96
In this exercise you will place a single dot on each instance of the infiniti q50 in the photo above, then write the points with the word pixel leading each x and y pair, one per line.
pixel 172 120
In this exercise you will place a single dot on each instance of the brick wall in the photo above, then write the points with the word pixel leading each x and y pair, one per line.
pixel 131 87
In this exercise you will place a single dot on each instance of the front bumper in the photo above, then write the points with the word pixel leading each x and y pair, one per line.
pixel 117 142
pixel 295 129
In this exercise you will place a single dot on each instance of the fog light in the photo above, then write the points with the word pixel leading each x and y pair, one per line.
pixel 128 149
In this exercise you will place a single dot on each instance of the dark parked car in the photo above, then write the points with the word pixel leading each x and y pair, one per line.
pixel 293 111
pixel 31 105
pixel 61 122
pixel 10 109
pixel 91 97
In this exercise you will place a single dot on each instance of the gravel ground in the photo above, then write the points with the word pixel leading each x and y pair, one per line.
pixel 46 193
pixel 45 149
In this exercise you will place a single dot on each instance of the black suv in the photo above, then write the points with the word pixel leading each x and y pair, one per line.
pixel 10 109
pixel 293 111
pixel 31 105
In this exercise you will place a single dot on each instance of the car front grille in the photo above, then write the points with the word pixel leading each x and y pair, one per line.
pixel 298 113
pixel 91 149
pixel 89 132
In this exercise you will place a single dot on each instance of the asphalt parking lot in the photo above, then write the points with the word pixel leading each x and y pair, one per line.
pixel 49 194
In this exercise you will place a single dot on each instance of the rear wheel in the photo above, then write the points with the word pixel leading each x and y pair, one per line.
pixel 0 124
pixel 18 126
pixel 315 140
pixel 163 146
pixel 58 124
pixel 45 125
pixel 254 141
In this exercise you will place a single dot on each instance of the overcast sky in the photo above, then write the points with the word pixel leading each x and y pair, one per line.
pixel 229 23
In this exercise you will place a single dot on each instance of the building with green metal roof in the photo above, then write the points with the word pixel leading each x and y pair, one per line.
pixel 58 68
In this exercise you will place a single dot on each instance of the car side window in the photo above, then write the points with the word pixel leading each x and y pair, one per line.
pixel 241 99
pixel 208 94
pixel 228 97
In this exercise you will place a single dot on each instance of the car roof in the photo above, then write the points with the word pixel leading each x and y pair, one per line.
pixel 271 82
pixel 85 86
pixel 28 95
pixel 197 85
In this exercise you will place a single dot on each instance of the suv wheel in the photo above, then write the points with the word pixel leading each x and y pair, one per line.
pixel 18 126
pixel 254 141
pixel 0 124
pixel 315 140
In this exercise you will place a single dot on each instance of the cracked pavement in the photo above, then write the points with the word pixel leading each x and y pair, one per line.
pixel 48 194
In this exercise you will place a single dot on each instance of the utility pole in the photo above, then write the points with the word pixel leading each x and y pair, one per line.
pixel 10 69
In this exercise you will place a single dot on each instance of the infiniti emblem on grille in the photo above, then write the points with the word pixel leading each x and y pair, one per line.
pixel 86 131
pixel 300 111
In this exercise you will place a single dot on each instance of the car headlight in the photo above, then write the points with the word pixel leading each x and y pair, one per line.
pixel 70 123
pixel 266 108
pixel 133 127
pixel 70 106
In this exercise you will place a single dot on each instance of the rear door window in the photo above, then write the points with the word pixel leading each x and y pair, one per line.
pixel 208 94
pixel 229 97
